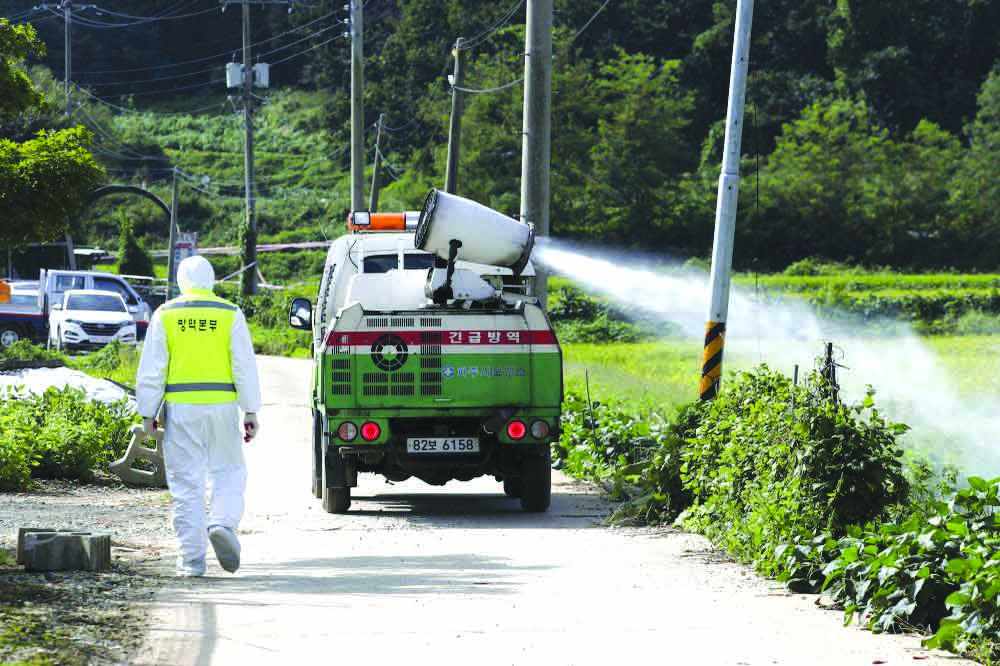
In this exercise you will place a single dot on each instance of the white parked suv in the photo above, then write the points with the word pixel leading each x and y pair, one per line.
pixel 90 318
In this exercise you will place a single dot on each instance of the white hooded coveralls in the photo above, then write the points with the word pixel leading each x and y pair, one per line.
pixel 200 440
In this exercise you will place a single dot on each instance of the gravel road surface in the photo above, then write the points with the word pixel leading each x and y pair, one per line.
pixel 457 575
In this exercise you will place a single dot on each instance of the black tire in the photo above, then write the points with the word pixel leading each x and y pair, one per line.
pixel 9 335
pixel 536 483
pixel 336 500
pixel 512 486
pixel 336 493
pixel 317 456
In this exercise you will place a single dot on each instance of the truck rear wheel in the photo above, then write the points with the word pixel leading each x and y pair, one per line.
pixel 336 500
pixel 536 483
pixel 317 455
pixel 336 492
pixel 512 486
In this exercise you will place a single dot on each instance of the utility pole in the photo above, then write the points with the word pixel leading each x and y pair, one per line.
pixel 172 242
pixel 536 148
pixel 455 128
pixel 725 212
pixel 67 6
pixel 373 201
pixel 357 106
pixel 249 236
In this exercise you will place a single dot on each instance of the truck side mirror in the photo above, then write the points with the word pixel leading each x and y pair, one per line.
pixel 300 314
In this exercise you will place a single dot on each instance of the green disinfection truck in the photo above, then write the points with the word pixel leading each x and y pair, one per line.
pixel 432 358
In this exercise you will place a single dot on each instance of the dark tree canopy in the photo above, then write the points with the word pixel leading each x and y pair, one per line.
pixel 43 181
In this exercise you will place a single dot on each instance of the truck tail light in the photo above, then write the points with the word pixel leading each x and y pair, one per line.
pixel 539 429
pixel 370 431
pixel 516 430
pixel 347 431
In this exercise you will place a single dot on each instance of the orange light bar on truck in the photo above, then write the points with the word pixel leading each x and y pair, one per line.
pixel 365 221
pixel 4 292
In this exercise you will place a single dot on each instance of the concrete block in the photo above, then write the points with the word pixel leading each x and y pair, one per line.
pixel 157 478
pixel 62 550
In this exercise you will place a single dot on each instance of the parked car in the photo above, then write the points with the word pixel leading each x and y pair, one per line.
pixel 90 318
pixel 29 318
pixel 56 283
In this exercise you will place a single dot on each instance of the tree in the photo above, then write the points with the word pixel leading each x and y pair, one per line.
pixel 43 181
pixel 132 259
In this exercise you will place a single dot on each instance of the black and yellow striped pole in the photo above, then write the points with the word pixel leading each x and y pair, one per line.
pixel 725 212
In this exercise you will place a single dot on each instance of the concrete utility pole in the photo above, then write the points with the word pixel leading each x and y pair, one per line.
pixel 536 148
pixel 373 200
pixel 68 64
pixel 357 107
pixel 725 212
pixel 455 128
pixel 250 232
pixel 172 242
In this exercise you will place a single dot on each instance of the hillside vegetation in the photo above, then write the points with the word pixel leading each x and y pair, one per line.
pixel 871 130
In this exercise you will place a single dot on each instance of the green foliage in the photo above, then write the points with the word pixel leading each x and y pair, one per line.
pixel 43 181
pixel 132 259
pixel 24 350
pixel 17 42
pixel 58 434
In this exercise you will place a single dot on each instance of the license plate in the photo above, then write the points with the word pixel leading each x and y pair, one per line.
pixel 442 444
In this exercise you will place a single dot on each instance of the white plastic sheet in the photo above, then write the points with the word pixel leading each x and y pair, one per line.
pixel 38 380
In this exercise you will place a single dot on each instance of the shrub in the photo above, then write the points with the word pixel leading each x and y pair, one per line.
pixel 16 428
pixel 132 259
pixel 24 350
pixel 59 434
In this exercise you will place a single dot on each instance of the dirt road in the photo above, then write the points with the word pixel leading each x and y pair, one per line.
pixel 458 575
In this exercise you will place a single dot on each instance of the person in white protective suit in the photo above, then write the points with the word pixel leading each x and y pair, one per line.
pixel 198 357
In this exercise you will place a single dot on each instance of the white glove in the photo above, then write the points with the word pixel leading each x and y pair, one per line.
pixel 149 426
pixel 250 426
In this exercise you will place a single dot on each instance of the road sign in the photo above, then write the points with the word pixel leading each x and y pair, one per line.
pixel 186 246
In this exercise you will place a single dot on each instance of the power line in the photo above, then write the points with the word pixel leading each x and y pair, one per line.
pixel 104 25
pixel 485 34
pixel 154 113
pixel 207 58
pixel 296 55
pixel 490 90
pixel 589 21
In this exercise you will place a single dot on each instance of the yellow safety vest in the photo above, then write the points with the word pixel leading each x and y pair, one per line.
pixel 200 370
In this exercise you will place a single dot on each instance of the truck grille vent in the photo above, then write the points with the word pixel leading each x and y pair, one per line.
pixel 430 389
pixel 340 377
pixel 430 377
pixel 431 322
pixel 430 349
pixel 430 362
pixel 377 322
pixel 379 383
pixel 430 338
pixel 402 322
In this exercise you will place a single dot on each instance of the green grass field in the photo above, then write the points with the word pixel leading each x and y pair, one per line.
pixel 663 375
